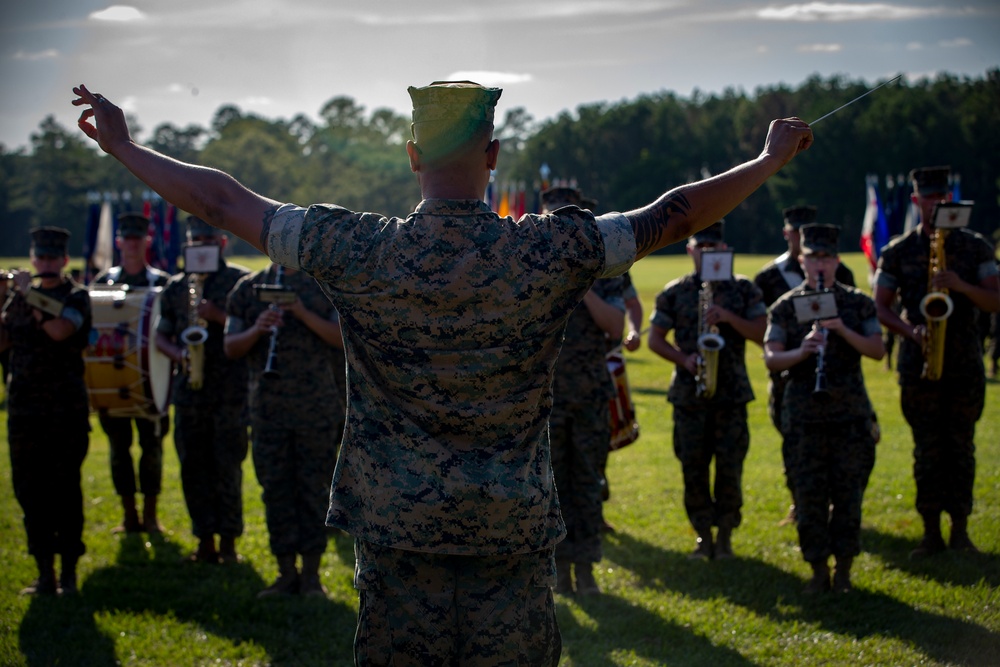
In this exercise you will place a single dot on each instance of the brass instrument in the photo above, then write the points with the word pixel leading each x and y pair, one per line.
pixel 936 307
pixel 195 335
pixel 820 386
pixel 272 348
pixel 709 344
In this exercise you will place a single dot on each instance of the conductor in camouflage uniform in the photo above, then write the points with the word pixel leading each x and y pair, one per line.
pixel 294 354
pixel 707 428
pixel 941 413
pixel 580 425
pixel 828 426
pixel 133 240
pixel 209 429
pixel 453 319
pixel 46 327
pixel 775 279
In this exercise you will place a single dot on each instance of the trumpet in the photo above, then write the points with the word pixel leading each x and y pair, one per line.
pixel 195 335
pixel 272 349
pixel 709 345
pixel 936 307
pixel 820 386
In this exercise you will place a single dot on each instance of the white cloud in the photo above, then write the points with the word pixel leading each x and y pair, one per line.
pixel 255 102
pixel 118 14
pixel 915 46
pixel 488 78
pixel 840 11
pixel 819 48
pixel 956 43
pixel 519 12
pixel 47 54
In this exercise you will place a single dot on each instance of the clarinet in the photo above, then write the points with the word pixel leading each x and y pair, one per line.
pixel 270 371
pixel 820 386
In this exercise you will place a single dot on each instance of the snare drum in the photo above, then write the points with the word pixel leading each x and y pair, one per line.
pixel 624 427
pixel 127 376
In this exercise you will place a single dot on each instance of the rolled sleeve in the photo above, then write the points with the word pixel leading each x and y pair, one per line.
pixel 619 243
pixel 987 269
pixel 886 280
pixel 284 235
pixel 775 334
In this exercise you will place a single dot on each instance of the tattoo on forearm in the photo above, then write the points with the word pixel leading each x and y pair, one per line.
pixel 265 228
pixel 652 222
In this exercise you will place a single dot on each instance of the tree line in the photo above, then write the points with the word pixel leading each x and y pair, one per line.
pixel 623 154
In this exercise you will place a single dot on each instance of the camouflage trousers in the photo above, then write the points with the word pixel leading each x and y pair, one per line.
pixel 294 466
pixel 45 459
pixel 702 433
pixel 943 416
pixel 433 610
pixel 211 445
pixel 775 399
pixel 151 432
pixel 580 436
pixel 830 465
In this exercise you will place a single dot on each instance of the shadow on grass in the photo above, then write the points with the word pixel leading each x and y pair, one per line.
pixel 950 567
pixel 771 592
pixel 219 599
pixel 661 642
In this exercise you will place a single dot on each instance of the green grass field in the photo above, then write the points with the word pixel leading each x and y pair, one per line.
pixel 140 606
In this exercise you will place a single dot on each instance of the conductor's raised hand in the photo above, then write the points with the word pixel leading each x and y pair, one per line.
pixel 108 128
pixel 786 138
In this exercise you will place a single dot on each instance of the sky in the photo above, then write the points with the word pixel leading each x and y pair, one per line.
pixel 178 61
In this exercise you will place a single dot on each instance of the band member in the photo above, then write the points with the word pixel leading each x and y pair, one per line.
pixel 133 241
pixel 290 338
pixel 580 425
pixel 46 327
pixel 453 319
pixel 709 422
pixel 826 414
pixel 942 413
pixel 209 393
pixel 774 280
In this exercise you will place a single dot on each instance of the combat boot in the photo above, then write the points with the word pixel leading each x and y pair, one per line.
pixel 130 523
pixel 703 548
pixel 45 584
pixel 959 538
pixel 287 582
pixel 585 582
pixel 723 543
pixel 932 543
pixel 564 577
pixel 310 583
pixel 227 550
pixel 820 582
pixel 67 577
pixel 842 574
pixel 149 520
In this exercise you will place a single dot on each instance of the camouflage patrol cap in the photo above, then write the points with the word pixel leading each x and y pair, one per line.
pixel 930 180
pixel 560 196
pixel 818 237
pixel 198 227
pixel 453 101
pixel 714 233
pixel 49 241
pixel 796 216
pixel 588 203
pixel 133 226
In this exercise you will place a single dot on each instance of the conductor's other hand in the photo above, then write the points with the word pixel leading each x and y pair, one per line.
pixel 108 128
pixel 786 138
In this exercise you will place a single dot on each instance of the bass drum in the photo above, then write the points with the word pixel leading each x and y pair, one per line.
pixel 127 376
pixel 624 426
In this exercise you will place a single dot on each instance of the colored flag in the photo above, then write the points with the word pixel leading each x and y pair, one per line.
pixel 874 230
pixel 503 210
pixel 102 257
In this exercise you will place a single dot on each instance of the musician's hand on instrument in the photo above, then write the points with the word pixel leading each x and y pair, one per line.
pixel 691 363
pixel 717 314
pixel 833 324
pixel 210 312
pixel 267 320
pixel 918 333
pixel 296 308
pixel 109 128
pixel 21 279
pixel 633 341
pixel 948 280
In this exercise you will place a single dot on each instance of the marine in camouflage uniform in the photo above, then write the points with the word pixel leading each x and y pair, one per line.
pixel 716 427
pixel 47 409
pixel 942 413
pixel 829 433
pixel 453 319
pixel 133 240
pixel 775 279
pixel 209 429
pixel 296 414
pixel 580 425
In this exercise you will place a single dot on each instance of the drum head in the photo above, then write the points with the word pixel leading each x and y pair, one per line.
pixel 157 363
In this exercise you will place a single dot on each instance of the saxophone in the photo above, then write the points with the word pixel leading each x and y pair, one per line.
pixel 709 344
pixel 195 335
pixel 936 307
